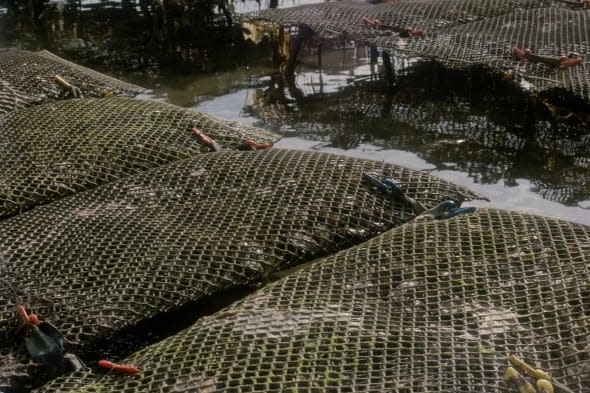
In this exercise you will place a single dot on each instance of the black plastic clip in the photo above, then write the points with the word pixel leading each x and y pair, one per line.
pixel 390 187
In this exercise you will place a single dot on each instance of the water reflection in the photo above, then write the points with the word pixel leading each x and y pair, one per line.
pixel 487 142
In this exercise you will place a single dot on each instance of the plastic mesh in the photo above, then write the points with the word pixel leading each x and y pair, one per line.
pixel 431 306
pixel 60 148
pixel 131 249
pixel 345 19
pixel 462 33
pixel 548 32
pixel 28 78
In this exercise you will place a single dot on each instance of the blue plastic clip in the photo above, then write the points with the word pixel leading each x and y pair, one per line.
pixel 394 189
pixel 449 204
pixel 446 209
pixel 456 211
pixel 374 181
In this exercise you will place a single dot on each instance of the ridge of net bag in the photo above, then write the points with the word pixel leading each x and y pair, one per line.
pixel 30 78
pixel 432 305
pixel 60 148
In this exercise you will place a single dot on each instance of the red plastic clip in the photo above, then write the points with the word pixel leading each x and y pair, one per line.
pixel 568 62
pixel 373 22
pixel 411 32
pixel 204 138
pixel 26 318
pixel 519 54
pixel 257 146
pixel 118 368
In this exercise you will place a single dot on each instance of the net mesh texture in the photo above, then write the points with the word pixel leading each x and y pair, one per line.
pixel 29 78
pixel 460 34
pixel 547 32
pixel 346 19
pixel 60 148
pixel 104 259
pixel 430 306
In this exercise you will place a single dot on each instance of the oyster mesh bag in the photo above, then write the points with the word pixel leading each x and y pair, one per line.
pixel 459 34
pixel 60 148
pixel 548 33
pixel 429 306
pixel 352 20
pixel 110 257
pixel 30 78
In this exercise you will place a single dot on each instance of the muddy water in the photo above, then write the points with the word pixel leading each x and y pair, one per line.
pixel 472 137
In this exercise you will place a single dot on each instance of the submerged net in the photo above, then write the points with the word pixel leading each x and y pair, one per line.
pixel 28 78
pixel 60 148
pixel 107 258
pixel 430 306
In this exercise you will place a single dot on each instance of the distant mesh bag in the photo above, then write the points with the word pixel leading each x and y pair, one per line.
pixel 461 33
pixel 548 32
pixel 353 19
pixel 28 78
pixel 110 257
pixel 60 148
pixel 430 306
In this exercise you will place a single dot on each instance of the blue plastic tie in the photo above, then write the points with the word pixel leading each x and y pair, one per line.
pixel 374 181
pixel 394 188
pixel 449 203
pixel 456 211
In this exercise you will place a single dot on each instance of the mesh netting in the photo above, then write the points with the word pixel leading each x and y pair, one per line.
pixel 133 248
pixel 461 34
pixel 548 32
pixel 431 306
pixel 60 148
pixel 340 19
pixel 28 78
pixel 108 258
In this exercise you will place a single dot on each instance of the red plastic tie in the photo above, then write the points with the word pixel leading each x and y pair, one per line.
pixel 518 53
pixel 204 138
pixel 26 318
pixel 570 62
pixel 118 368
pixel 373 22
pixel 257 146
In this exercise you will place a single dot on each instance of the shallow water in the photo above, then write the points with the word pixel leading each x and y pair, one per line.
pixel 490 147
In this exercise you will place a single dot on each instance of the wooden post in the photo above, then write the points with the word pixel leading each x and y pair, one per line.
pixel 294 50
pixel 388 69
